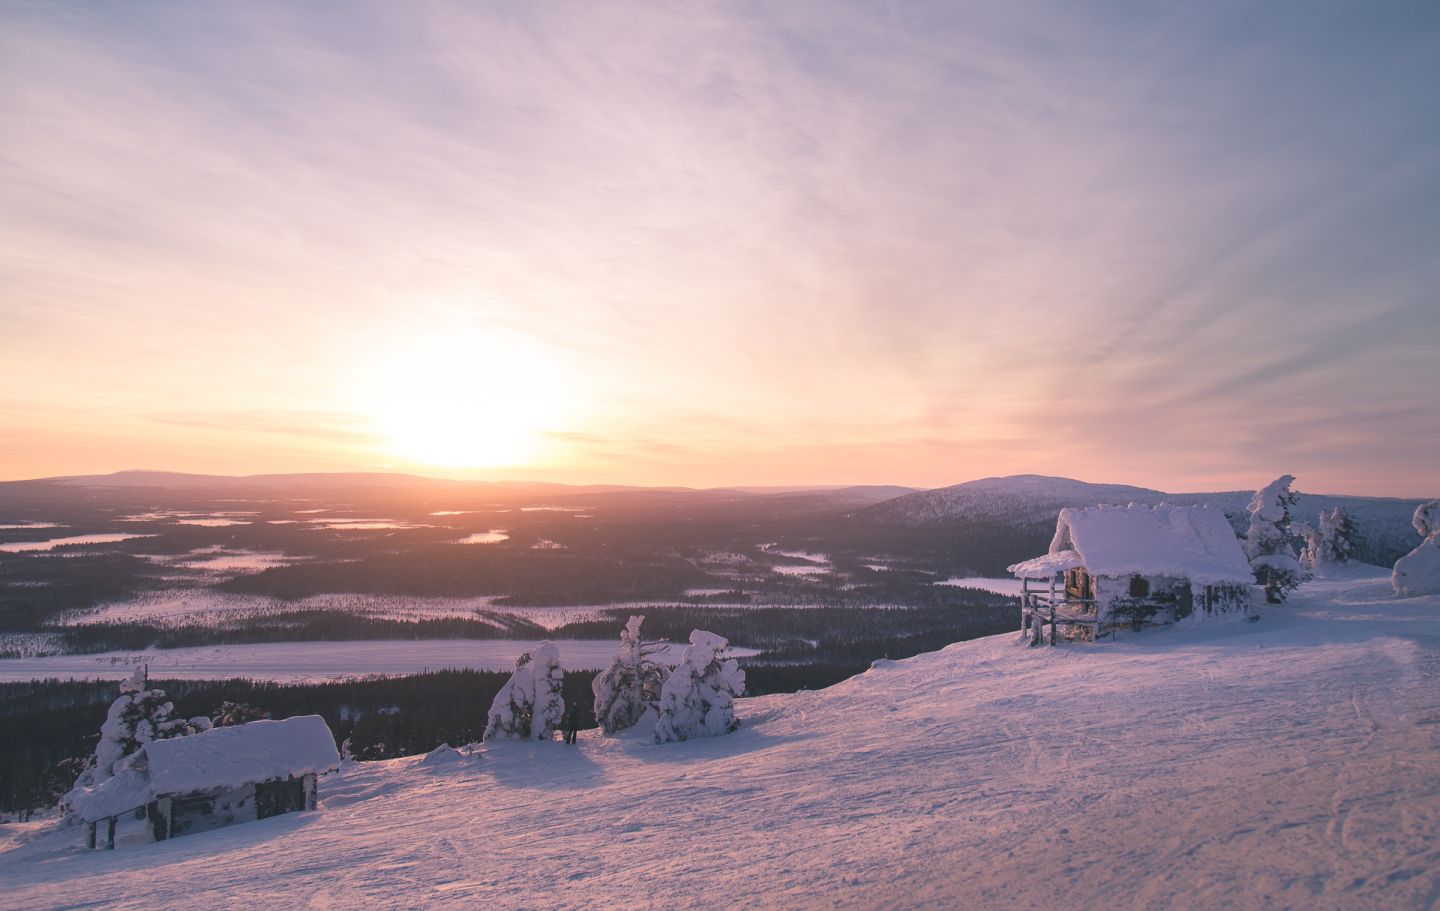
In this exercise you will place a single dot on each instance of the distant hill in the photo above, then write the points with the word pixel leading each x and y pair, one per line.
pixel 1018 498
pixel 175 480
pixel 379 489
pixel 1022 508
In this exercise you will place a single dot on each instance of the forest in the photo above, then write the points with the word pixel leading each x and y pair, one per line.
pixel 51 726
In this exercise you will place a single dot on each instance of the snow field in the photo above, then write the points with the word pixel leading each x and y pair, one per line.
pixel 1289 763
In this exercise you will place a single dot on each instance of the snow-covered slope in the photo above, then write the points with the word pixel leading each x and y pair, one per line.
pixel 1289 763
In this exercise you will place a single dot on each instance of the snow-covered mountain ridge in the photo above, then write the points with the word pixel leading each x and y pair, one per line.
pixel 1288 763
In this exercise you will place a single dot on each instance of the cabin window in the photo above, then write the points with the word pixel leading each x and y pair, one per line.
pixel 1139 587
pixel 1078 586
pixel 275 797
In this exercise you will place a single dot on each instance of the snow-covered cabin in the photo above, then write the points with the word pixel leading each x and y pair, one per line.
pixel 215 778
pixel 1112 566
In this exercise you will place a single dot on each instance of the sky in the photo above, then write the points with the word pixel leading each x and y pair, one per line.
pixel 1190 246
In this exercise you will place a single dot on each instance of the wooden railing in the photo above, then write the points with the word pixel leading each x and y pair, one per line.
pixel 1038 611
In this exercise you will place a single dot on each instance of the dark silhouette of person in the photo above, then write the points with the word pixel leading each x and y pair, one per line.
pixel 572 723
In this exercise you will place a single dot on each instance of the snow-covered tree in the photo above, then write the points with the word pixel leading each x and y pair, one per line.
pixel 630 685
pixel 138 716
pixel 1333 540
pixel 619 702
pixel 1418 572
pixel 232 713
pixel 1267 543
pixel 530 705
pixel 698 698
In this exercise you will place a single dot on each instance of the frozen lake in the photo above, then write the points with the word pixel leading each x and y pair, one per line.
pixel 20 547
pixel 302 662
pixel 1010 586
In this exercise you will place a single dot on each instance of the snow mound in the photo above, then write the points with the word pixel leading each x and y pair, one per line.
pixel 441 757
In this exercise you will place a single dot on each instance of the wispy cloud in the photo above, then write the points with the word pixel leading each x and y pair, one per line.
pixel 942 240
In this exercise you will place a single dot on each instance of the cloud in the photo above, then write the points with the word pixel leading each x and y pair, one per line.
pixel 1029 233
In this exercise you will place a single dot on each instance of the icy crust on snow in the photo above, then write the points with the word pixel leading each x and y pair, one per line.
pixel 1188 542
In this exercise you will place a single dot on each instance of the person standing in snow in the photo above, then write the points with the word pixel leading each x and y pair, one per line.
pixel 572 723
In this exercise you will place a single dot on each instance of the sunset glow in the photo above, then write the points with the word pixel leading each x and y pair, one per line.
pixel 465 400
pixel 729 244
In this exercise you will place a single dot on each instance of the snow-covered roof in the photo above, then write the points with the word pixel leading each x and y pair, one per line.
pixel 241 754
pixel 228 757
pixel 123 792
pixel 1048 566
pixel 1187 542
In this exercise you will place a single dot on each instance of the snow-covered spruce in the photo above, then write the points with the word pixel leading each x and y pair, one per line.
pixel 138 716
pixel 630 685
pixel 699 698
pixel 530 705
pixel 233 713
pixel 1332 541
pixel 1267 543
pixel 1418 572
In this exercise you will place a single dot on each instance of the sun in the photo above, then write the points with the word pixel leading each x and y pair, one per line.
pixel 467 399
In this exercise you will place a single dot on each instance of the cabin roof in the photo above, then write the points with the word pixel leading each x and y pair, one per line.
pixel 1048 566
pixel 1186 542
pixel 228 757
pixel 241 754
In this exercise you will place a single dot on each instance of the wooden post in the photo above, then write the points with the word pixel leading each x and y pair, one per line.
pixel 110 834
pixel 310 800
pixel 158 814
pixel 90 835
pixel 1024 602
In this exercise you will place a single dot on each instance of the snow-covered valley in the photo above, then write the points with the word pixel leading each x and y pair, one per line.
pixel 1290 763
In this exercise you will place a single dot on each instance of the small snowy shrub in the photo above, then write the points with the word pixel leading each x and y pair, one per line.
pixel 630 685
pixel 1418 572
pixel 530 705
pixel 698 700
pixel 1267 543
